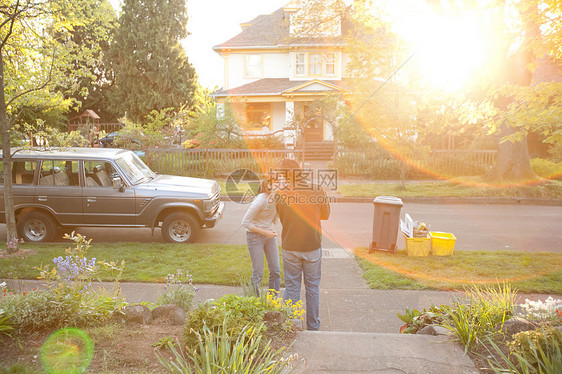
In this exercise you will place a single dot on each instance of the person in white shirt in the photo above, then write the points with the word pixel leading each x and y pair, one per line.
pixel 262 238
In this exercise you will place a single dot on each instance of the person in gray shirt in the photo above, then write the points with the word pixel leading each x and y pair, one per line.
pixel 262 238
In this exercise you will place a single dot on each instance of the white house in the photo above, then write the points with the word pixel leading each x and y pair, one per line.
pixel 272 72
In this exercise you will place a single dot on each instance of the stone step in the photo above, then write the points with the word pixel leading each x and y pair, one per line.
pixel 346 352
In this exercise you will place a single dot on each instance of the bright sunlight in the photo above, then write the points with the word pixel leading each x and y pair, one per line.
pixel 451 49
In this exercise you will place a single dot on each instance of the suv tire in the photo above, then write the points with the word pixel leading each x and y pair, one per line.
pixel 36 227
pixel 180 228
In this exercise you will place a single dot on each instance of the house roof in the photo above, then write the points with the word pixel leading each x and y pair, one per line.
pixel 88 113
pixel 280 86
pixel 272 31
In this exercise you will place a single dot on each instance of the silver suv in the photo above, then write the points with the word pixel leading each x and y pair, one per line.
pixel 67 188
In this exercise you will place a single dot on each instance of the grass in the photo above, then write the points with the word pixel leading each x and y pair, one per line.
pixel 469 188
pixel 527 272
pixel 229 264
pixel 147 262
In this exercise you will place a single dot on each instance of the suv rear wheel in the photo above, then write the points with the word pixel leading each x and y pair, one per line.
pixel 36 227
pixel 180 228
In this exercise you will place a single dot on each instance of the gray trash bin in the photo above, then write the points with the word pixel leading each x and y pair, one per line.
pixel 385 223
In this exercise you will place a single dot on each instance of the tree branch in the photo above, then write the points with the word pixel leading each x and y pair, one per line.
pixel 45 84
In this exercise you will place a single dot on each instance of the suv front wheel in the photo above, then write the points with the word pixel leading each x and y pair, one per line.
pixel 180 228
pixel 36 227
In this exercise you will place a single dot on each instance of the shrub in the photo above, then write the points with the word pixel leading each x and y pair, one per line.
pixel 220 351
pixel 546 168
pixel 69 299
pixel 530 344
pixel 179 290
pixel 241 311
pixel 532 352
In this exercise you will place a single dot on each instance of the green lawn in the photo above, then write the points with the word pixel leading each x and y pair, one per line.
pixel 231 265
pixel 528 272
pixel 147 262
pixel 547 189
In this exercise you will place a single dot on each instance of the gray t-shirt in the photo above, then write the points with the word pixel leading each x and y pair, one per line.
pixel 260 214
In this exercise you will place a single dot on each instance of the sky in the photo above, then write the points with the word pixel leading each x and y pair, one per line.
pixel 212 22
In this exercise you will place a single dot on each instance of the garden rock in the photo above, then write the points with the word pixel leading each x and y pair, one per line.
pixel 298 324
pixel 137 314
pixel 427 330
pixel 273 318
pixel 172 313
pixel 517 324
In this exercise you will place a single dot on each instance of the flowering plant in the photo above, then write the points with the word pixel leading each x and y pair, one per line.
pixel 14 245
pixel 550 309
pixel 179 290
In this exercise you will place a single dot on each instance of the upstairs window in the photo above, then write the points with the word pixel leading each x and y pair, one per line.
pixel 315 64
pixel 253 66
pixel 330 63
pixel 300 63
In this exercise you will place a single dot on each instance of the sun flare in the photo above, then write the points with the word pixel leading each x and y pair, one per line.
pixel 450 50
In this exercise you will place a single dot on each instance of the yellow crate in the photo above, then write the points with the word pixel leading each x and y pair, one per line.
pixel 442 243
pixel 417 246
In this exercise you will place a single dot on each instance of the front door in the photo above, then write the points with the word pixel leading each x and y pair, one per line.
pixel 102 204
pixel 314 130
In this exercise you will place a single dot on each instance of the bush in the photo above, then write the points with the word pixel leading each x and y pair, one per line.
pixel 528 345
pixel 241 311
pixel 546 168
pixel 69 299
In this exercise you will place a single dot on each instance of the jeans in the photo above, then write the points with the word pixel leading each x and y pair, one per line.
pixel 258 245
pixel 307 265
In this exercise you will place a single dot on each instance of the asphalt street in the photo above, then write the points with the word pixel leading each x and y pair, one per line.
pixel 476 226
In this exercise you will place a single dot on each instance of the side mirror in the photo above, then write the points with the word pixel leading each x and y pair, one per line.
pixel 118 184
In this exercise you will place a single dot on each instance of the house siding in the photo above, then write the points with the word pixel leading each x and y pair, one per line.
pixel 274 65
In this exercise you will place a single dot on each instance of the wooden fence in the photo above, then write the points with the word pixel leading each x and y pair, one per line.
pixel 215 162
pixel 374 164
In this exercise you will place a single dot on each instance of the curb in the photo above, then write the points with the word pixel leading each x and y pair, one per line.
pixel 441 200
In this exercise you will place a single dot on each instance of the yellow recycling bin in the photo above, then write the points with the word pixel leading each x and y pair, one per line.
pixel 418 246
pixel 442 243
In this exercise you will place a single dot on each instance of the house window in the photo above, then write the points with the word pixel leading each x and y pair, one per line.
pixel 315 64
pixel 258 116
pixel 330 63
pixel 300 64
pixel 253 66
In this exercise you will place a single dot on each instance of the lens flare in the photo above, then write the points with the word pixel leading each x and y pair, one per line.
pixel 67 351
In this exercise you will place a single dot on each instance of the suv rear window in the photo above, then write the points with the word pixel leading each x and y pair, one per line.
pixel 22 172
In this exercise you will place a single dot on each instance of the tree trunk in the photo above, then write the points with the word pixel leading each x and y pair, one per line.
pixel 512 164
pixel 11 233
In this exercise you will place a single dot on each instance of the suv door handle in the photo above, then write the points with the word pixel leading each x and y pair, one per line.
pixel 91 199
pixel 41 198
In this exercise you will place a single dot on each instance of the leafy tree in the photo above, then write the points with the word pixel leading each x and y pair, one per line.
pixel 35 53
pixel 216 126
pixel 151 69
pixel 93 37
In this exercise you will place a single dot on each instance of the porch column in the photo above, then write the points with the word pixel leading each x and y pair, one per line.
pixel 290 136
pixel 220 110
